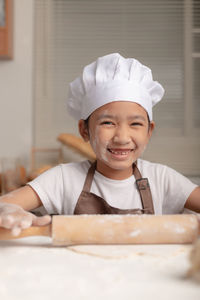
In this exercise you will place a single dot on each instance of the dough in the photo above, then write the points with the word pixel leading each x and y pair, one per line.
pixel 130 251
pixel 194 270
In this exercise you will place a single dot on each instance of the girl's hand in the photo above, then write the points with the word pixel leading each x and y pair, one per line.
pixel 15 218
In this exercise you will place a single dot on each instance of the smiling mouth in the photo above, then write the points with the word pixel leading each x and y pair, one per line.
pixel 120 151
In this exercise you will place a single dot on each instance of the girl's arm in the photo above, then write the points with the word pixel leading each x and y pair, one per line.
pixel 14 208
pixel 24 197
pixel 193 201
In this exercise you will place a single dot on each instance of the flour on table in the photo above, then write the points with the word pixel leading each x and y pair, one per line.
pixel 31 268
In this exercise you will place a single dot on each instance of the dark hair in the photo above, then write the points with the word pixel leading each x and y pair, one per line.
pixel 86 122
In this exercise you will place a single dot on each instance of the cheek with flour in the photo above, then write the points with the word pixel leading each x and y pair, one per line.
pixel 94 140
pixel 103 151
pixel 99 147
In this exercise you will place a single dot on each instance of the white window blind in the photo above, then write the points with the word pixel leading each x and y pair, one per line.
pixel 163 34
pixel 196 56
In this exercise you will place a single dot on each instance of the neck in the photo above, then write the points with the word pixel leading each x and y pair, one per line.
pixel 115 174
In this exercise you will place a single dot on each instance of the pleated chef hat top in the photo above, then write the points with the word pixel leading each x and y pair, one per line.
pixel 113 78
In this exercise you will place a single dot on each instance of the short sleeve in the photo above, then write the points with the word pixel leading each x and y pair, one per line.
pixel 49 188
pixel 177 189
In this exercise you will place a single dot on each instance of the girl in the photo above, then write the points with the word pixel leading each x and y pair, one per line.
pixel 113 102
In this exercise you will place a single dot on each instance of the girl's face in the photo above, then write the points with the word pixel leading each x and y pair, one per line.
pixel 118 133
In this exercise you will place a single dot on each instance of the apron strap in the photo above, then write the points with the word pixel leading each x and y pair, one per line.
pixel 89 177
pixel 144 190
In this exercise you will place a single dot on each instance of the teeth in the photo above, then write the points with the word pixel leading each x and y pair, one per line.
pixel 119 152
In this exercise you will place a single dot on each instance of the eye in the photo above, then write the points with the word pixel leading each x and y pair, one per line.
pixel 108 123
pixel 136 124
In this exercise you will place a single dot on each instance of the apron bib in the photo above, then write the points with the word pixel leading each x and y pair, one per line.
pixel 89 203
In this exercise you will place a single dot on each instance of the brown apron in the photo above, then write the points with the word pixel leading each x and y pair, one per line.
pixel 89 203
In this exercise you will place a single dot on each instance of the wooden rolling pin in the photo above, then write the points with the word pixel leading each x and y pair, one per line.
pixel 115 229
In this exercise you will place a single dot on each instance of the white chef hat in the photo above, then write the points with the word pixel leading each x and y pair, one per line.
pixel 113 78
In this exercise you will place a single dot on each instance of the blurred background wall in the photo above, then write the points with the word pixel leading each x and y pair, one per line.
pixel 54 39
pixel 16 87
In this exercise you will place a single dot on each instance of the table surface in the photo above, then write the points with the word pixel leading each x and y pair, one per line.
pixel 31 268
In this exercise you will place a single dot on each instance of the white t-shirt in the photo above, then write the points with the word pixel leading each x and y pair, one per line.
pixel 59 188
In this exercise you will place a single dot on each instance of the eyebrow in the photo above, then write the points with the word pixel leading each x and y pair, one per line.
pixel 137 117
pixel 131 117
pixel 105 116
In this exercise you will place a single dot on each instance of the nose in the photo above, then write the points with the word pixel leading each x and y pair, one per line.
pixel 121 135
